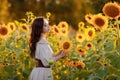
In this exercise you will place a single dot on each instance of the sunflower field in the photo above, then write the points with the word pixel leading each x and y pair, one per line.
pixel 93 51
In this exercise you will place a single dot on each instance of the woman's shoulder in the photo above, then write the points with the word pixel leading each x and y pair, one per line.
pixel 42 44
pixel 43 41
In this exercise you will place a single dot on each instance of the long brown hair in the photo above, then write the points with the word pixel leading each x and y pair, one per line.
pixel 37 29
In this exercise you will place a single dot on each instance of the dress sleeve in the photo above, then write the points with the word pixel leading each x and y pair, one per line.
pixel 44 53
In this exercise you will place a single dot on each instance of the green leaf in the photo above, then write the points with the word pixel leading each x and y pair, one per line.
pixel 109 45
pixel 2 48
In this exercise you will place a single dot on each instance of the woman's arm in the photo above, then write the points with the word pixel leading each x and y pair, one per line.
pixel 59 55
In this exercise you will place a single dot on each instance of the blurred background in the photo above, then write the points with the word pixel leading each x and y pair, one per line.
pixel 72 11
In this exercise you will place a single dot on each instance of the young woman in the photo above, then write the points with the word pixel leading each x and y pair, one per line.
pixel 41 50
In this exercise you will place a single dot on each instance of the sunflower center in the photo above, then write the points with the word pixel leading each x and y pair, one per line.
pixel 81 24
pixel 56 30
pixel 3 31
pixel 90 33
pixel 24 27
pixel 63 25
pixel 11 26
pixel 89 45
pixel 57 43
pixel 80 50
pixel 66 45
pixel 112 11
pixel 100 22
pixel 63 31
pixel 80 37
pixel 13 57
pixel 89 17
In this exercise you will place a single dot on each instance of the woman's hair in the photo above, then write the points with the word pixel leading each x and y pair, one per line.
pixel 37 29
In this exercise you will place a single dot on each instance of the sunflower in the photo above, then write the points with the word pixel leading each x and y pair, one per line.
pixel 13 58
pixel 1 65
pixel 4 31
pixel 89 45
pixel 66 46
pixel 77 78
pixel 70 63
pixel 55 29
pixel 80 64
pixel 64 32
pixel 18 72
pixel 48 14
pixel 112 10
pixel 100 22
pixel 24 28
pixel 52 29
pixel 5 63
pixel 90 33
pixel 57 76
pixel 67 62
pixel 81 26
pixel 63 25
pixel 66 71
pixel 11 26
pixel 80 37
pixel 88 18
pixel 81 50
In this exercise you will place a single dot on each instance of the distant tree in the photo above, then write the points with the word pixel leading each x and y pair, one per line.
pixel 71 11
pixel 20 7
pixel 62 11
pixel 82 7
pixel 4 11
pixel 97 5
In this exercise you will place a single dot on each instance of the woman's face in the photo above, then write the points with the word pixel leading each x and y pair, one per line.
pixel 46 27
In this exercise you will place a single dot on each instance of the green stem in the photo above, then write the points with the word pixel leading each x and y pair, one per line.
pixel 118 37
pixel 118 31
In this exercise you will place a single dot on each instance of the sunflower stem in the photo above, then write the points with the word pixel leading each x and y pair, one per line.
pixel 118 36
pixel 118 31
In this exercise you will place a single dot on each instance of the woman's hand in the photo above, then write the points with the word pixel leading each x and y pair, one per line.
pixel 60 54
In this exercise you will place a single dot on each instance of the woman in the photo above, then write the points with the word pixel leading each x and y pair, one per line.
pixel 41 50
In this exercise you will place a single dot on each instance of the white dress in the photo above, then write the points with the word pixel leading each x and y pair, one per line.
pixel 44 53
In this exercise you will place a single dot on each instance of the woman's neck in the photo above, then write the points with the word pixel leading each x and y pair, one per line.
pixel 43 35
